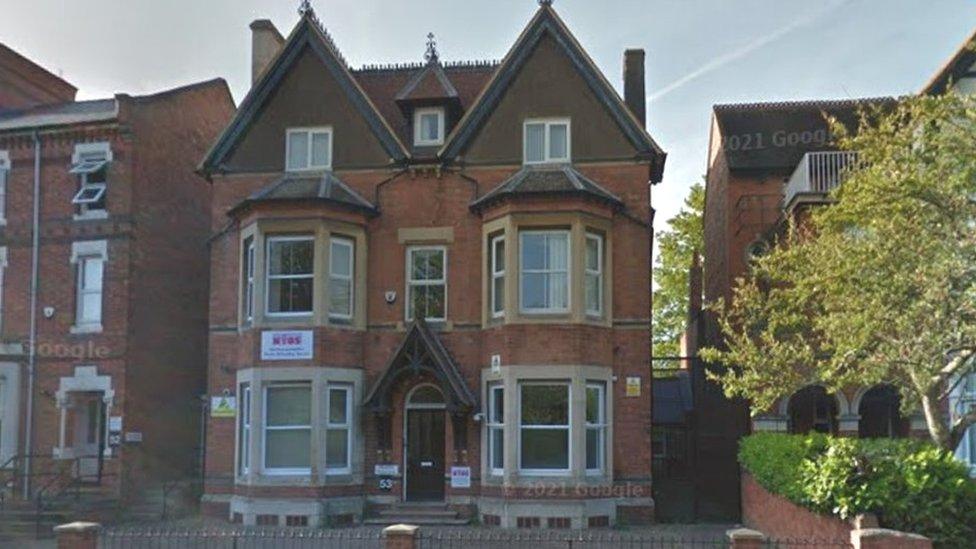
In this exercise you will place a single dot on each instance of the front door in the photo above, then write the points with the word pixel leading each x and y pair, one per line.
pixel 425 455
pixel 88 435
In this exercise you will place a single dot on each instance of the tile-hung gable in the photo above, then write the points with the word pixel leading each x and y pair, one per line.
pixel 431 282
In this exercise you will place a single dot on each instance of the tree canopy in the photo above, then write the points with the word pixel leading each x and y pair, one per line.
pixel 877 287
pixel 676 247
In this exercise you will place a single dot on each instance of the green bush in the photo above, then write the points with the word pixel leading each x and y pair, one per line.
pixel 911 486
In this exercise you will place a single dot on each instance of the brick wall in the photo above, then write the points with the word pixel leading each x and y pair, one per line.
pixel 780 518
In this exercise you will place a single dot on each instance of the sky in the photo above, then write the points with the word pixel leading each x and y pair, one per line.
pixel 699 52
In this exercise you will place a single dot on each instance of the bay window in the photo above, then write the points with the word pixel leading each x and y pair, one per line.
pixel 244 428
pixel 596 424
pixel 290 275
pixel 593 277
pixel 497 276
pixel 308 149
pixel 546 141
pixel 544 435
pixel 247 279
pixel 341 257
pixel 338 429
pixel 544 271
pixel 496 428
pixel 287 419
pixel 427 283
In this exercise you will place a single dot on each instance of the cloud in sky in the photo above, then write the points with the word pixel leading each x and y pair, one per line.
pixel 724 59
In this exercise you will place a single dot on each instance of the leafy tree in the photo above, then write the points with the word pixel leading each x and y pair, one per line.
pixel 676 247
pixel 880 286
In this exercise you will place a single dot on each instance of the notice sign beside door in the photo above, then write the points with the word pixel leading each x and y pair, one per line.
pixel 460 477
pixel 286 345
pixel 223 406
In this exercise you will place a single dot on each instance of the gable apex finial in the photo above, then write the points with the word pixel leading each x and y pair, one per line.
pixel 431 55
pixel 304 7
pixel 545 3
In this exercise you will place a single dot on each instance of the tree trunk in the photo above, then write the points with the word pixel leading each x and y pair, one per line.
pixel 935 420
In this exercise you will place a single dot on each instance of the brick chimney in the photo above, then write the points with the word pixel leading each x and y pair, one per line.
pixel 634 94
pixel 266 42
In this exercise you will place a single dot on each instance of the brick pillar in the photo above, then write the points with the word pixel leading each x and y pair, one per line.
pixel 744 538
pixel 399 536
pixel 881 538
pixel 78 535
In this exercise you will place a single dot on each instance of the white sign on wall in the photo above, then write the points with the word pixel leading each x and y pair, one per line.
pixel 286 345
pixel 460 477
pixel 386 469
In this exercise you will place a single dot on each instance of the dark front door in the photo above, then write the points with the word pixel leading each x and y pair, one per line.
pixel 425 455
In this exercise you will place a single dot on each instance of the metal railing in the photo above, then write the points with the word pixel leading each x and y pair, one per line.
pixel 818 173
pixel 242 538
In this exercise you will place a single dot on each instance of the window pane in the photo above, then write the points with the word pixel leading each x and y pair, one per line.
pixel 558 250
pixel 320 149
pixel 93 274
pixel 593 411
pixel 594 448
pixel 341 258
pixel 535 142
pixel 558 148
pixel 498 294
pixel 291 257
pixel 297 150
pixel 499 255
pixel 340 296
pixel 91 307
pixel 426 395
pixel 558 291
pixel 592 254
pixel 337 448
pixel 593 293
pixel 288 449
pixel 289 406
pixel 545 448
pixel 428 301
pixel 545 405
pixel 497 405
pixel 426 264
pixel 534 290
pixel 290 295
pixel 497 448
pixel 430 127
pixel 533 251
pixel 337 405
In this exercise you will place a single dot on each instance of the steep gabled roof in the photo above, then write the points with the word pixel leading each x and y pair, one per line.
pixel 957 67
pixel 547 22
pixel 547 180
pixel 431 82
pixel 307 34
pixel 421 351
pixel 323 187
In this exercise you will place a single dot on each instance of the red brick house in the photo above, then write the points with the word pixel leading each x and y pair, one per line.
pixel 103 280
pixel 430 283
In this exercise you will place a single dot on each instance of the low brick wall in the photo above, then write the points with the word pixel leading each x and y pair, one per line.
pixel 780 518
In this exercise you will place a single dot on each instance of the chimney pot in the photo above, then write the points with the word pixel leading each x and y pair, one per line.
pixel 266 42
pixel 634 88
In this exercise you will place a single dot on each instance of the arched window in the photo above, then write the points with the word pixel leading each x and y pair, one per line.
pixel 880 411
pixel 425 396
pixel 812 409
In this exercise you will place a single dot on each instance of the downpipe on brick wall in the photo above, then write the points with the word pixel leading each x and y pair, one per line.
pixel 32 340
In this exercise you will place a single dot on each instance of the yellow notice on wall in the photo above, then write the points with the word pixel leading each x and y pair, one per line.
pixel 633 386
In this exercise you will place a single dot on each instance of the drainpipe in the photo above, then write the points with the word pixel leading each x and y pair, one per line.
pixel 32 349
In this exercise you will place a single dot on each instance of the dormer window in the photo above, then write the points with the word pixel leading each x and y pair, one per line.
pixel 428 127
pixel 90 164
pixel 546 141
pixel 309 149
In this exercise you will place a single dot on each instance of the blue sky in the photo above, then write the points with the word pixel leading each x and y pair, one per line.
pixel 699 52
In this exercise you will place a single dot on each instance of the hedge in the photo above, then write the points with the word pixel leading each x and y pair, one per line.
pixel 909 485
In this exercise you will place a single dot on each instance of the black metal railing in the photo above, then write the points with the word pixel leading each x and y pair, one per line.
pixel 242 538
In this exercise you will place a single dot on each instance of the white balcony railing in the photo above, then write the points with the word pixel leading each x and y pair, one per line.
pixel 818 173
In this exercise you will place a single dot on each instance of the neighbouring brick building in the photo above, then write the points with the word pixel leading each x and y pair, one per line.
pixel 103 280
pixel 431 283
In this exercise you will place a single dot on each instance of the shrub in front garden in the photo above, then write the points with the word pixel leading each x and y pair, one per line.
pixel 911 486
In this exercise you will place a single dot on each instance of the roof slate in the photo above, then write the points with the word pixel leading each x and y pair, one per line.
pixel 538 180
pixel 61 114
pixel 313 187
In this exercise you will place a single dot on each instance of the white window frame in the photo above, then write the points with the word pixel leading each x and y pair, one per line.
pixel 568 427
pixel 83 291
pixel 600 426
pixel 268 277
pixel 248 259
pixel 335 278
pixel 271 471
pixel 88 249
pixel 418 138
pixel 497 274
pixel 495 423
pixel 310 132
pixel 598 273
pixel 547 123
pixel 244 428
pixel 347 426
pixel 5 170
pixel 82 150
pixel 3 269
pixel 568 270
pixel 411 283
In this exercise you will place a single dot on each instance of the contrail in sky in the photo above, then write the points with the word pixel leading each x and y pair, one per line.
pixel 727 58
